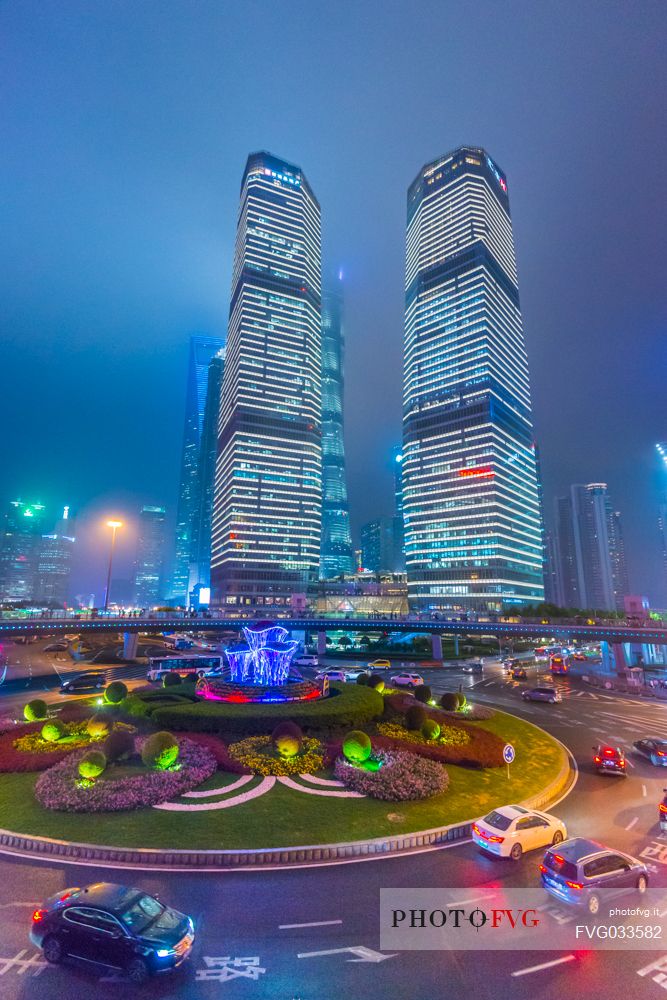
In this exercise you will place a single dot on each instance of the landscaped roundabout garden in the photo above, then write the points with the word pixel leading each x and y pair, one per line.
pixel 171 767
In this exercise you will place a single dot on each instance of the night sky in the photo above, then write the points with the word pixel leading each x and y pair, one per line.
pixel 125 128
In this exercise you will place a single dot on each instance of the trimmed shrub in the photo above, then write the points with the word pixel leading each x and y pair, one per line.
pixel 357 746
pixel 376 682
pixel 160 751
pixel 461 700
pixel 430 730
pixel 35 710
pixel 415 717
pixel 135 706
pixel 171 679
pixel 287 738
pixel 115 692
pixel 423 693
pixel 52 731
pixel 347 707
pixel 363 679
pixel 257 754
pixel 98 726
pixel 118 744
pixel 92 764
pixel 449 701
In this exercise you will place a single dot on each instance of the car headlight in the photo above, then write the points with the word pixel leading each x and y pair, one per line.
pixel 165 952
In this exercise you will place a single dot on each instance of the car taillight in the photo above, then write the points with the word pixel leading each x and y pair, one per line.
pixel 574 885
pixel 597 760
pixel 661 753
pixel 621 763
pixel 496 840
pixel 38 915
pixel 609 752
pixel 476 829
pixel 662 807
pixel 559 858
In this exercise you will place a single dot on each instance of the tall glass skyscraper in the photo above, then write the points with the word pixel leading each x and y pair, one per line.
pixel 202 350
pixel 336 547
pixel 150 557
pixel 200 549
pixel 268 488
pixel 470 484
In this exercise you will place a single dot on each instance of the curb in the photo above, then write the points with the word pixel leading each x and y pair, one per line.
pixel 147 859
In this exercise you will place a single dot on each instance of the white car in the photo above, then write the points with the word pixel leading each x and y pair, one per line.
pixel 307 660
pixel 510 830
pixel 333 675
pixel 407 680
pixel 354 672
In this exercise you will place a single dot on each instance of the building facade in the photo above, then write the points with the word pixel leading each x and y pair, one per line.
pixel 148 577
pixel 471 506
pixel 54 564
pixel 267 513
pixel 382 545
pixel 336 554
pixel 200 547
pixel 20 543
pixel 591 568
pixel 202 351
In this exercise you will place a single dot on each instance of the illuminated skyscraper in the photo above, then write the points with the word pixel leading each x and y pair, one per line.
pixel 662 515
pixel 20 544
pixel 202 351
pixel 268 487
pixel 200 545
pixel 470 483
pixel 336 546
pixel 150 557
pixel 55 562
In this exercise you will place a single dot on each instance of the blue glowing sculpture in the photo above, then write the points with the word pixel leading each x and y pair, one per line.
pixel 265 656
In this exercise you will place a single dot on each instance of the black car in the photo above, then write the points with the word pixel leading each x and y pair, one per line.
pixel 653 748
pixel 91 679
pixel 56 647
pixel 114 926
pixel 609 760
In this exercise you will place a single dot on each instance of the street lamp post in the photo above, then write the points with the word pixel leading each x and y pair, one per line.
pixel 114 525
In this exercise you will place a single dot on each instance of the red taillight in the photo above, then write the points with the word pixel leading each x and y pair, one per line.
pixel 559 858
pixel 38 915
pixel 621 763
pixel 597 760
pixel 662 807
pixel 661 753
pixel 543 868
pixel 609 752
pixel 574 885
pixel 496 840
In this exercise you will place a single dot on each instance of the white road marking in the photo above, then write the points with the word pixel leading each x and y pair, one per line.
pixel 312 923
pixel 632 823
pixel 544 965
pixel 365 954
pixel 628 761
pixel 644 792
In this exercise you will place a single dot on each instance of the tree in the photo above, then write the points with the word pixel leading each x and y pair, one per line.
pixel 365 641
pixel 345 642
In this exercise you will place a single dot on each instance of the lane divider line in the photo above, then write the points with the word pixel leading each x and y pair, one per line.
pixel 544 965
pixel 312 923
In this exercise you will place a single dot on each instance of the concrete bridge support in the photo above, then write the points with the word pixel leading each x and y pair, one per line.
pixel 456 645
pixel 620 661
pixel 436 645
pixel 321 644
pixel 130 645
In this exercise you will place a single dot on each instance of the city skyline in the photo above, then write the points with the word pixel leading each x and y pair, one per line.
pixel 133 327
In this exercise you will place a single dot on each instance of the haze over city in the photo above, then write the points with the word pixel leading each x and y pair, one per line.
pixel 124 149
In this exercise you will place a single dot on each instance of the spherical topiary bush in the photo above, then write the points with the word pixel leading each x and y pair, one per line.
pixel 376 682
pixel 115 692
pixel 118 744
pixel 461 700
pixel 160 751
pixel 449 701
pixel 92 764
pixel 171 679
pixel 52 731
pixel 363 679
pixel 357 746
pixel 98 726
pixel 287 739
pixel 35 710
pixel 430 730
pixel 423 693
pixel 415 717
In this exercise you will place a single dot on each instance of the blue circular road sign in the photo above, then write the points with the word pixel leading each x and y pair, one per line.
pixel 508 753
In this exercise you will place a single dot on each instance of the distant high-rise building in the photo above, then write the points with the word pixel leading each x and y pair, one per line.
pixel 473 532
pixel 268 491
pixel 54 564
pixel 662 515
pixel 592 570
pixel 200 547
pixel 20 542
pixel 399 527
pixel 336 555
pixel 150 557
pixel 551 592
pixel 381 550
pixel 202 351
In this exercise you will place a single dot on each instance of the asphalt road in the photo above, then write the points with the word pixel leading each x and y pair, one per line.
pixel 288 934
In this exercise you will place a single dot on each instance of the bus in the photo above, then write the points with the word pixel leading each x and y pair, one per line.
pixel 558 664
pixel 175 641
pixel 192 665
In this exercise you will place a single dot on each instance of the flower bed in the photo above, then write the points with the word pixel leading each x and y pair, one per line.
pixel 23 749
pixel 260 756
pixel 449 735
pixel 399 702
pixel 400 777
pixel 484 749
pixel 220 751
pixel 61 788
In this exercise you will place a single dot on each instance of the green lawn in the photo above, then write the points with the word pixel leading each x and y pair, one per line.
pixel 284 817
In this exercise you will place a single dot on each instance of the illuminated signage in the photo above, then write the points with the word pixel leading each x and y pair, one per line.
pixel 480 472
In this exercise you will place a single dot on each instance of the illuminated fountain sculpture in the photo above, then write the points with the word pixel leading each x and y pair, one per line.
pixel 265 656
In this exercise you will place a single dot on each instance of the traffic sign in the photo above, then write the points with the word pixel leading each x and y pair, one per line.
pixel 508 753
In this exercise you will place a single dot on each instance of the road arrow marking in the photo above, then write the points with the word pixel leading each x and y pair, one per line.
pixel 364 954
